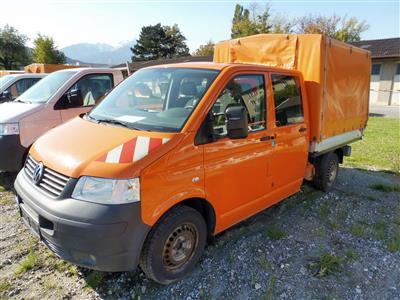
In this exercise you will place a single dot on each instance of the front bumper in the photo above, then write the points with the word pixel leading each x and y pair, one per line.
pixel 96 236
pixel 11 153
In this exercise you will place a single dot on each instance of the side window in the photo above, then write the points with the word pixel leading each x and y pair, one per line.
pixel 30 82
pixel 242 90
pixel 92 88
pixel 288 102
pixel 17 88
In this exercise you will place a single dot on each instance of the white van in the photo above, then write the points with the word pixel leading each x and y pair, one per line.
pixel 54 100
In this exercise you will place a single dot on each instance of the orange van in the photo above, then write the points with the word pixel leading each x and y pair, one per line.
pixel 178 153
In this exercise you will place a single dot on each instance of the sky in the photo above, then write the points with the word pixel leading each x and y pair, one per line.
pixel 113 22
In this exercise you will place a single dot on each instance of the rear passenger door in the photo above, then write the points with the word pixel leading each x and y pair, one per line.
pixel 291 133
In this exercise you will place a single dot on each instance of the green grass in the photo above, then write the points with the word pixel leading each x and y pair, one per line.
pixel 264 263
pixel 394 244
pixel 4 286
pixel 327 264
pixel 387 188
pixel 379 148
pixel 379 229
pixel 95 279
pixel 270 288
pixel 351 255
pixel 28 263
pixel 358 229
pixel 324 211
pixel 275 233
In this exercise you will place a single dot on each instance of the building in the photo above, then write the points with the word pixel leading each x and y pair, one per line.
pixel 385 71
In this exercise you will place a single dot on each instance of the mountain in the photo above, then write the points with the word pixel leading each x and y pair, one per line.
pixel 100 53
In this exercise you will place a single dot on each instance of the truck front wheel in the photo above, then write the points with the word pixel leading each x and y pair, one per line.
pixel 175 245
pixel 326 171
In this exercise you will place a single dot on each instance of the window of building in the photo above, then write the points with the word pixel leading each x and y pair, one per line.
pixel 398 69
pixel 288 102
pixel 376 69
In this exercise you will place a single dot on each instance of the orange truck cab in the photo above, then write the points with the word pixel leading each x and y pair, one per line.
pixel 178 153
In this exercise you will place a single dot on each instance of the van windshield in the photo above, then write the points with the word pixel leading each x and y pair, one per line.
pixel 42 91
pixel 159 99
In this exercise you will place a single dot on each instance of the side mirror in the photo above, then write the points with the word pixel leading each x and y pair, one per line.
pixel 236 122
pixel 74 98
pixel 5 95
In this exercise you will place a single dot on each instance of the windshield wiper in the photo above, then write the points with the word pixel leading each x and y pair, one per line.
pixel 19 100
pixel 116 122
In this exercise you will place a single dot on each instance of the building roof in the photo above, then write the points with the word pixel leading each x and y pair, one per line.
pixel 384 48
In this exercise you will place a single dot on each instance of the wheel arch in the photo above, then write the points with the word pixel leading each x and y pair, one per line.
pixel 203 206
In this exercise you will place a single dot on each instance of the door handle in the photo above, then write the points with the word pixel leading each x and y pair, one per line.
pixel 267 138
pixel 302 129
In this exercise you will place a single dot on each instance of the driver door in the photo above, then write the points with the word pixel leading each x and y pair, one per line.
pixel 84 94
pixel 237 170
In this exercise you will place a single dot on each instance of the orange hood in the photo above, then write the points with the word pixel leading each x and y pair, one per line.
pixel 81 147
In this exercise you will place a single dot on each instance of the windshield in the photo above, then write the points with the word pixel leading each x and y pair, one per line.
pixel 160 99
pixel 4 80
pixel 43 90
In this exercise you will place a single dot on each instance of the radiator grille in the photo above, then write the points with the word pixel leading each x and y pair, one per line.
pixel 52 182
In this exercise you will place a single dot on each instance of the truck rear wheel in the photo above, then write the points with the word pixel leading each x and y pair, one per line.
pixel 175 245
pixel 326 170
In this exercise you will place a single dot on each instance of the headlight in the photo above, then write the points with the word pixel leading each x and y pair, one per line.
pixel 9 129
pixel 107 191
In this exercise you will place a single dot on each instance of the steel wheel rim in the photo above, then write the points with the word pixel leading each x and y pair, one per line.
pixel 180 246
pixel 332 172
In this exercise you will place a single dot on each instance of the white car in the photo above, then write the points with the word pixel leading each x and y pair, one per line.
pixel 11 86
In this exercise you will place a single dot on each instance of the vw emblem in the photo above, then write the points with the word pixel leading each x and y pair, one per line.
pixel 38 173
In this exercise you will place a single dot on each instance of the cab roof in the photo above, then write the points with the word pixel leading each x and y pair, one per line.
pixel 221 66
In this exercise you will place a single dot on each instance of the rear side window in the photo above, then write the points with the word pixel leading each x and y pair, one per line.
pixel 288 102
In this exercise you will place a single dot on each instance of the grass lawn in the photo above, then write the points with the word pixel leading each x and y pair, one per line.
pixel 380 147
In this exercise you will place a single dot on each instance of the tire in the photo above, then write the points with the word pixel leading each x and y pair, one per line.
pixel 326 171
pixel 174 245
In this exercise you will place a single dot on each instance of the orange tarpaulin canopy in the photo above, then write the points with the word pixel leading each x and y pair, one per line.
pixel 336 74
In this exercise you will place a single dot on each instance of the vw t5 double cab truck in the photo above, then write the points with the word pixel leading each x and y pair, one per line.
pixel 54 100
pixel 178 153
pixel 13 85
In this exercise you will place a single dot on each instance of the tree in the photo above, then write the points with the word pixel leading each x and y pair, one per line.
pixel 175 45
pixel 45 51
pixel 205 50
pixel 157 41
pixel 344 29
pixel 245 24
pixel 13 52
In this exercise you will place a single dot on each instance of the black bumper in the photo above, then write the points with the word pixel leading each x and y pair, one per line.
pixel 96 236
pixel 11 153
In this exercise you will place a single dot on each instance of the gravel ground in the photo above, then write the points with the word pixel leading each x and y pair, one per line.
pixel 338 245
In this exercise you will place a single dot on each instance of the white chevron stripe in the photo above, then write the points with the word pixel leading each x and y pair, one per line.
pixel 164 140
pixel 114 155
pixel 142 147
